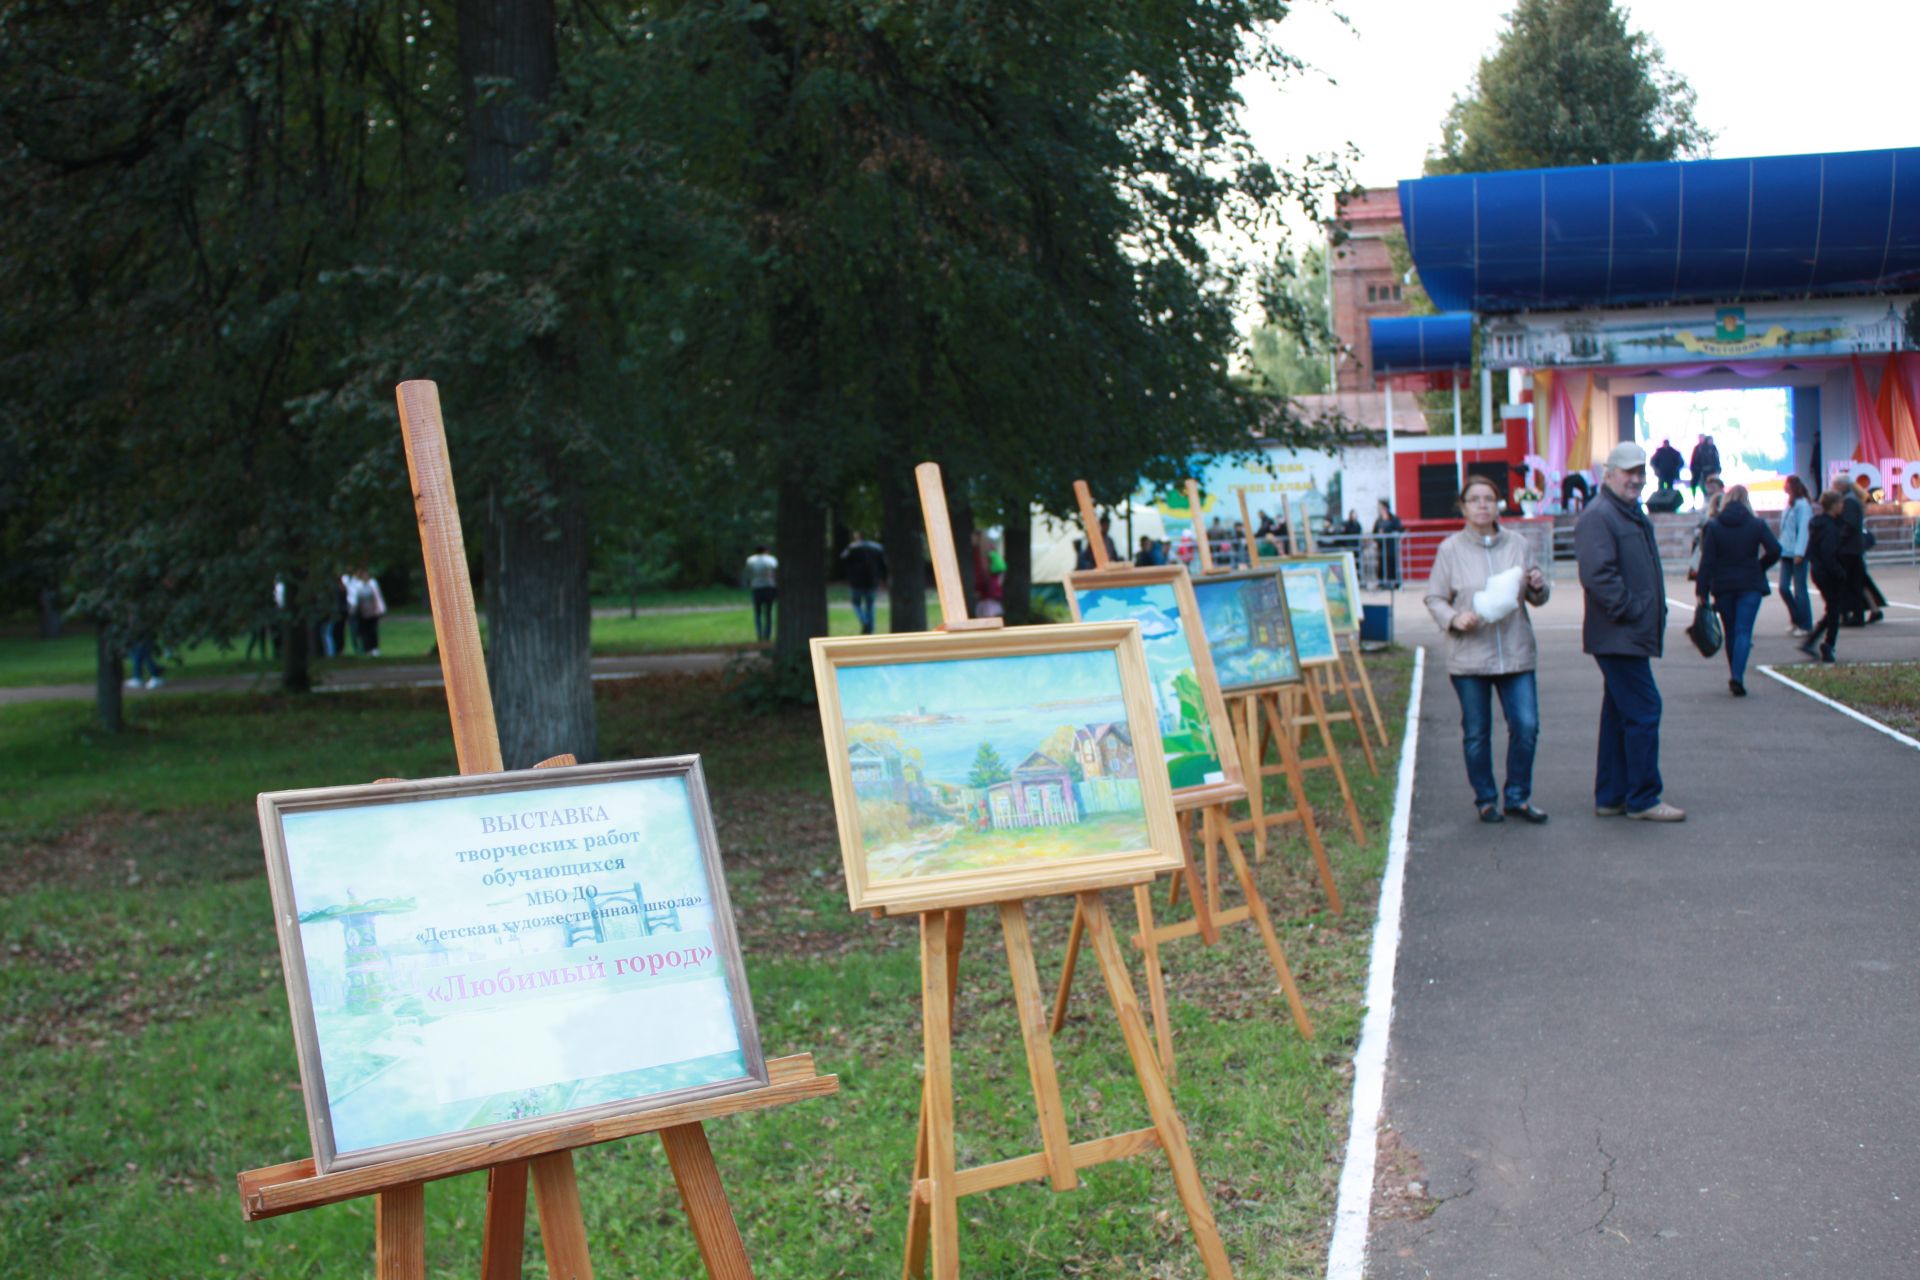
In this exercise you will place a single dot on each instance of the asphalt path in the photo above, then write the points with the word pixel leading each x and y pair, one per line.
pixel 1624 1049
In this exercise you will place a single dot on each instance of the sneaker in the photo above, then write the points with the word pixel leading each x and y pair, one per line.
pixel 1875 616
pixel 1609 810
pixel 1661 812
pixel 154 682
pixel 1737 689
pixel 1826 653
pixel 133 683
pixel 374 654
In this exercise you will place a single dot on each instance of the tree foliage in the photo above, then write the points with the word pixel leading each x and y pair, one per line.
pixel 1288 353
pixel 1569 84
pixel 988 768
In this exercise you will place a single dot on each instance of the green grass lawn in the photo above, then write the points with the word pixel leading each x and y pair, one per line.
pixel 1887 691
pixel 25 659
pixel 143 1018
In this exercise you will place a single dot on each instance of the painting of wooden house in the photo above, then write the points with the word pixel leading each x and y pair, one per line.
pixel 879 771
pixel 1105 751
pixel 1039 794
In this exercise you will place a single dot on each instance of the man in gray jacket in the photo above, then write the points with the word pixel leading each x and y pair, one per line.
pixel 1626 596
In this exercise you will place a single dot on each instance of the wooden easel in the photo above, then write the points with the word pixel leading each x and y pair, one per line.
pixel 398 1186
pixel 1255 714
pixel 933 1223
pixel 1211 811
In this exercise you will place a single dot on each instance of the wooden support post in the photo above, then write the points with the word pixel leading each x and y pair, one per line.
pixel 933 1232
pixel 1199 530
pixel 1050 1110
pixel 503 1244
pixel 941 554
pixel 1366 684
pixel 1296 789
pixel 1319 716
pixel 709 1215
pixel 1353 712
pixel 1090 521
pixel 562 1230
pixel 1166 1117
pixel 1246 523
pixel 1252 758
pixel 1156 979
pixel 400 1233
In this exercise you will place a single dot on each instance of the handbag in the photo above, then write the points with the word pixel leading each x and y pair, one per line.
pixel 1705 631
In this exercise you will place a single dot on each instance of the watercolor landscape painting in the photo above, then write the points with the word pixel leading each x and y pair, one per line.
pixel 1187 733
pixel 1339 584
pixel 1306 590
pixel 1248 630
pixel 980 764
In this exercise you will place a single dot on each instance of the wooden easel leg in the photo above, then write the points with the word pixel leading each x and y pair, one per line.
pixel 562 1230
pixel 1166 1117
pixel 1296 777
pixel 933 1230
pixel 1246 731
pixel 1333 761
pixel 1156 980
pixel 503 1249
pixel 1066 971
pixel 1206 902
pixel 1257 905
pixel 1352 697
pixel 400 1233
pixel 1366 686
pixel 705 1199
pixel 1051 1111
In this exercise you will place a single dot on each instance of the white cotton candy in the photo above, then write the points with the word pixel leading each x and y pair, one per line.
pixel 1500 597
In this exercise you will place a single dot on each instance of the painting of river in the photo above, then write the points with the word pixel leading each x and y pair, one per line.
pixel 978 764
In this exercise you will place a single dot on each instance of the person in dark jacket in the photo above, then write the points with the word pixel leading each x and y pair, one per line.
pixel 1387 531
pixel 1870 601
pixel 1831 542
pixel 1666 464
pixel 866 564
pixel 1703 462
pixel 1624 630
pixel 1736 550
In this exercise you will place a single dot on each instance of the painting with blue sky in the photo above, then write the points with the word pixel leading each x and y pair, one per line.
pixel 1187 733
pixel 975 764
pixel 1306 590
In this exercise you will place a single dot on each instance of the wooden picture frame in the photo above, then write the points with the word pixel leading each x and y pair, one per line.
pixel 1006 820
pixel 1305 587
pixel 539 982
pixel 1342 587
pixel 1249 630
pixel 1181 636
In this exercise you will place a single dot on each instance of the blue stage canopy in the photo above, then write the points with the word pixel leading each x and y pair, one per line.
pixel 1421 344
pixel 1686 231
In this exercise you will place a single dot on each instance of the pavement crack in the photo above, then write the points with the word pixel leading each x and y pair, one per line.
pixel 1606 1191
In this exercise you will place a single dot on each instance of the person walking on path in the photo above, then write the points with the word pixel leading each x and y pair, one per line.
pixel 1870 603
pixel 1736 551
pixel 1793 558
pixel 1387 528
pixel 866 573
pixel 1624 629
pixel 1484 577
pixel 761 571
pixel 1666 465
pixel 365 606
pixel 1831 542
pixel 1703 462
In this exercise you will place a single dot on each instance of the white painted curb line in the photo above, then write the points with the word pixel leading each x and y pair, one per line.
pixel 1842 708
pixel 1347 1255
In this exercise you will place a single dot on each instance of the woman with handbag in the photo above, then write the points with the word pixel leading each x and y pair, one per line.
pixel 1736 550
pixel 1483 580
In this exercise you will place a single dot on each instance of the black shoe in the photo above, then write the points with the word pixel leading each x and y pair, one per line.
pixel 1826 653
pixel 1875 616
pixel 1527 813
pixel 1737 689
pixel 1812 646
pixel 1491 813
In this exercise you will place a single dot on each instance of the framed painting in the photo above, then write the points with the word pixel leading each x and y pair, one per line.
pixel 1342 588
pixel 1249 632
pixel 987 766
pixel 477 958
pixel 1195 734
pixel 1306 592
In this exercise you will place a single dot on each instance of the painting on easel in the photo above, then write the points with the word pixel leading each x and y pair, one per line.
pixel 1192 719
pixel 475 958
pixel 1341 587
pixel 987 766
pixel 1248 630
pixel 1306 591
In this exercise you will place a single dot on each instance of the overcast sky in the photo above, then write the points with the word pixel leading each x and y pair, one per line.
pixel 1773 78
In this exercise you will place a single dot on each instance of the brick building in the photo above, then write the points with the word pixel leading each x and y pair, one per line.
pixel 1363 281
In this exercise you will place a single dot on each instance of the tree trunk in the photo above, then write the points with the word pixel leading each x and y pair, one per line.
pixel 109 672
pixel 296 673
pixel 539 651
pixel 507 66
pixel 906 561
pixel 49 614
pixel 800 545
pixel 1016 588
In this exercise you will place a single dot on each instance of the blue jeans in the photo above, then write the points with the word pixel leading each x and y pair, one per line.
pixel 1738 612
pixel 1520 703
pixel 763 598
pixel 863 609
pixel 1793 589
pixel 1628 771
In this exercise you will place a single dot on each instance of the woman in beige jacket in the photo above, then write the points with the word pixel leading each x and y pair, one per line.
pixel 1483 580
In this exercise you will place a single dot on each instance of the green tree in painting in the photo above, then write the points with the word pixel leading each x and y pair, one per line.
pixel 988 768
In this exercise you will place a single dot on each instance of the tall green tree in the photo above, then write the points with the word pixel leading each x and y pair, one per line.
pixel 1569 84
pixel 1287 354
